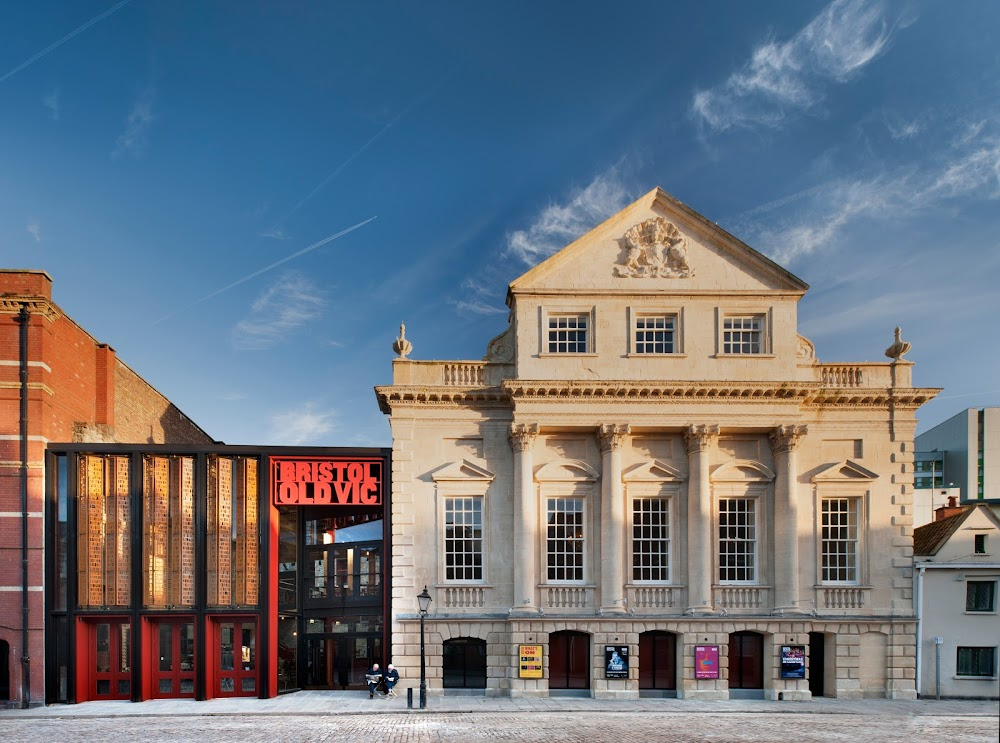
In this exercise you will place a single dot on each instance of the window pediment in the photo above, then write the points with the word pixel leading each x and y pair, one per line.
pixel 462 471
pixel 742 470
pixel 844 471
pixel 566 470
pixel 654 471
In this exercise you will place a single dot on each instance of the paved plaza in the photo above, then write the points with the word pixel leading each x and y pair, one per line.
pixel 351 716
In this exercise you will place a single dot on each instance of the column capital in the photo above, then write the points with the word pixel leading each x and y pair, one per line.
pixel 522 436
pixel 700 436
pixel 786 438
pixel 611 436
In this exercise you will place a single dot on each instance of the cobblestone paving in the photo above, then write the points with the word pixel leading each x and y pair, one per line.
pixel 542 726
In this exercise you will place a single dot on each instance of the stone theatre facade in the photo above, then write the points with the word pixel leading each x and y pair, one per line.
pixel 651 461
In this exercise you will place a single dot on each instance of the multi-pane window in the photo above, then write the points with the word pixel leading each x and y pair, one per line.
pixel 564 538
pixel 976 661
pixel 463 538
pixel 655 333
pixel 840 539
pixel 737 540
pixel 980 595
pixel 650 539
pixel 743 334
pixel 568 333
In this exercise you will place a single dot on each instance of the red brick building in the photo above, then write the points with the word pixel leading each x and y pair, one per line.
pixel 57 384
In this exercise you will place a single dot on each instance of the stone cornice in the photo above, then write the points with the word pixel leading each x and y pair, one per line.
pixel 11 305
pixel 644 392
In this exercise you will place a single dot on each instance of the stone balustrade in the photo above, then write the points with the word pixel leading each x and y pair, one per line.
pixel 742 598
pixel 842 597
pixel 652 598
pixel 559 598
pixel 465 597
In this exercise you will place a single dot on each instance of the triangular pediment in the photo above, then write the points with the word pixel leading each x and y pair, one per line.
pixel 654 471
pixel 463 470
pixel 844 471
pixel 742 470
pixel 658 244
pixel 566 470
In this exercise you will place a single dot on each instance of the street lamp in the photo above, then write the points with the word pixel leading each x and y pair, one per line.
pixel 424 602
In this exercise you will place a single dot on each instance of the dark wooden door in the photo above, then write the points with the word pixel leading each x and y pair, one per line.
pixel 746 660
pixel 174 669
pixel 464 663
pixel 816 663
pixel 657 660
pixel 112 660
pixel 569 660
pixel 237 658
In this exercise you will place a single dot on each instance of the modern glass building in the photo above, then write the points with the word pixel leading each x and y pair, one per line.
pixel 214 571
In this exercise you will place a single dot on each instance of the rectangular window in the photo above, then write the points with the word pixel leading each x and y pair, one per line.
pixel 840 539
pixel 232 520
pixel 980 542
pixel 976 662
pixel 737 540
pixel 568 333
pixel 168 531
pixel 463 538
pixel 743 334
pixel 104 531
pixel 564 539
pixel 650 539
pixel 655 334
pixel 980 595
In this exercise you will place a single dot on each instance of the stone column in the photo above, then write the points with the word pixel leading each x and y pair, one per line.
pixel 784 443
pixel 611 438
pixel 522 441
pixel 701 542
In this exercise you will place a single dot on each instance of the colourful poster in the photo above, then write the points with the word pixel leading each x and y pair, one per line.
pixel 530 666
pixel 616 661
pixel 793 661
pixel 706 661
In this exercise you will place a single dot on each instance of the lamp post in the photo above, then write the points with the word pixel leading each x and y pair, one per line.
pixel 424 602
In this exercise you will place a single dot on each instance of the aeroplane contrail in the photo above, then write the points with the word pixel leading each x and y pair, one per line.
pixel 265 269
pixel 64 39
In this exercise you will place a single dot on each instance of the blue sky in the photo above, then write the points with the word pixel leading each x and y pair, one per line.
pixel 176 166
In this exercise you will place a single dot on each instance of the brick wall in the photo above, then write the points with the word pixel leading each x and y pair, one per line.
pixel 78 391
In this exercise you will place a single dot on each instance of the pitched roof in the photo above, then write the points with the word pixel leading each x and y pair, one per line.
pixel 929 538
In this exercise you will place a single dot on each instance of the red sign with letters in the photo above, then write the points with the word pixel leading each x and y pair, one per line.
pixel 326 481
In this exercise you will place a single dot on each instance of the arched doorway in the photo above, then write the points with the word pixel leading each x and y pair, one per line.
pixel 657 664
pixel 464 663
pixel 569 660
pixel 746 665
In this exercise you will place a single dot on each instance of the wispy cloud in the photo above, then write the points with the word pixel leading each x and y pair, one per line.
pixel 969 168
pixel 265 269
pixel 51 102
pixel 287 304
pixel 789 77
pixel 480 299
pixel 133 140
pixel 63 40
pixel 304 424
pixel 559 224
pixel 34 229
pixel 276 234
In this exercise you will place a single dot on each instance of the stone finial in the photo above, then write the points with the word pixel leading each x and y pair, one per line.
pixel 898 349
pixel 401 346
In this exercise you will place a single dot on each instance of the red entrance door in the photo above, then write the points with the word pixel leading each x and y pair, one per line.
pixel 569 660
pixel 173 648
pixel 657 660
pixel 112 667
pixel 746 660
pixel 237 671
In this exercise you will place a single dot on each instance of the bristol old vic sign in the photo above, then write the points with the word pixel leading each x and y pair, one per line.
pixel 326 481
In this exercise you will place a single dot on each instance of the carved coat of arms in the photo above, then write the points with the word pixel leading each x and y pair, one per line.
pixel 653 248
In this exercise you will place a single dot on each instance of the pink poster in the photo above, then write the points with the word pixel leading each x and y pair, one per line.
pixel 706 661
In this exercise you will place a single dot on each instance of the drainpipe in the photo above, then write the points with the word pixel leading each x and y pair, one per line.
pixel 919 600
pixel 22 320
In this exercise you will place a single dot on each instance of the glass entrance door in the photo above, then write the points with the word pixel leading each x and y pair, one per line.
pixel 237 658
pixel 112 660
pixel 173 647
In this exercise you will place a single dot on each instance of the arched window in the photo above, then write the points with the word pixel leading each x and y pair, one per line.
pixel 569 660
pixel 658 660
pixel 465 663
